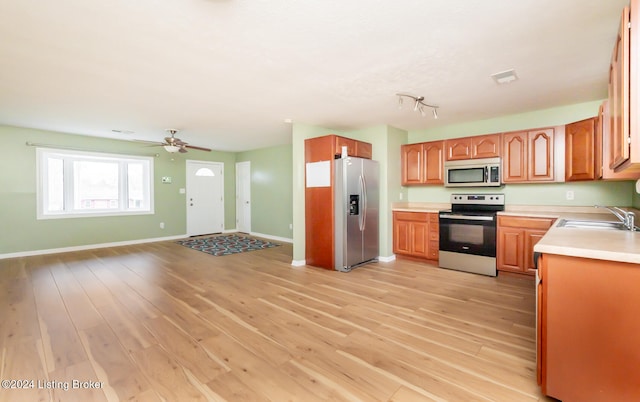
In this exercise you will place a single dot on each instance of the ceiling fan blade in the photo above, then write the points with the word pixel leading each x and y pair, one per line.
pixel 198 148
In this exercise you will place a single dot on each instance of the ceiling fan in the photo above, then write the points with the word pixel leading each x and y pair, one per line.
pixel 173 144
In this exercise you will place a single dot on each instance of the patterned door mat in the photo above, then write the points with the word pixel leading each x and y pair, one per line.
pixel 226 244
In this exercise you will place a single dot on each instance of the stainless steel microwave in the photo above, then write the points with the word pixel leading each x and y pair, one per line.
pixel 473 173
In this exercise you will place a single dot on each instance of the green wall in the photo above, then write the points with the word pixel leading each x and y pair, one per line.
pixel 22 232
pixel 586 193
pixel 271 190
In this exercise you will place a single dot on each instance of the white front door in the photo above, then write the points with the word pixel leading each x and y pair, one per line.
pixel 243 197
pixel 205 201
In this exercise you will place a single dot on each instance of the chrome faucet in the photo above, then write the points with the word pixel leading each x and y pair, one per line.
pixel 626 217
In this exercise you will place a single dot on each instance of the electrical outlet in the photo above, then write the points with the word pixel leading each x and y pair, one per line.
pixel 291 226
pixel 570 195
pixel 161 225
pixel 401 196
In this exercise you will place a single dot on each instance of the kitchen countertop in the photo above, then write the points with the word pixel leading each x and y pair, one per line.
pixel 610 245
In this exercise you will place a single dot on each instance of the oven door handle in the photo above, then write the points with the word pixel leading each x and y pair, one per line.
pixel 467 217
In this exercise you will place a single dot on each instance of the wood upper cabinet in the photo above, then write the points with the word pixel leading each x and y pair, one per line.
pixel 423 163
pixel 603 144
pixel 416 234
pixel 480 146
pixel 624 94
pixel 516 237
pixel 619 95
pixel 345 142
pixel 412 159
pixel 434 162
pixel 528 156
pixel 486 146
pixel 364 150
pixel 515 159
pixel 355 148
pixel 458 148
pixel 580 162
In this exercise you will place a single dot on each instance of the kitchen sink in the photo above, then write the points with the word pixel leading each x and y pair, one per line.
pixel 581 224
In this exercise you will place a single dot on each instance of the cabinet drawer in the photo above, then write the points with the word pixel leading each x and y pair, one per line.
pixel 433 250
pixel 411 216
pixel 434 235
pixel 524 222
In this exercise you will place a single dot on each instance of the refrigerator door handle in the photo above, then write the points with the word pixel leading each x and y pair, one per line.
pixel 363 197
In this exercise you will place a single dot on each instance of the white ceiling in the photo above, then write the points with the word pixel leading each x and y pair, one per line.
pixel 228 72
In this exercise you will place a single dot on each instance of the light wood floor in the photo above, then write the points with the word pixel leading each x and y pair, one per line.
pixel 163 322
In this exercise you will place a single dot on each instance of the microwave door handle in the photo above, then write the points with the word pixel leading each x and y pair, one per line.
pixel 486 174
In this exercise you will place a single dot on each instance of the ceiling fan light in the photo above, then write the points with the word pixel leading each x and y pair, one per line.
pixel 171 148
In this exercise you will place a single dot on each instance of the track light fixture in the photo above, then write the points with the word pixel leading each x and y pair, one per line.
pixel 418 104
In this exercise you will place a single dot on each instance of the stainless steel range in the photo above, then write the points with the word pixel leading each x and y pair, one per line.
pixel 468 233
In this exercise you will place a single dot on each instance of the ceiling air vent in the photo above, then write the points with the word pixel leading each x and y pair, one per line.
pixel 505 77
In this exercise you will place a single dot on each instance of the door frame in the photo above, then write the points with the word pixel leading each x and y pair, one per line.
pixel 214 166
pixel 239 206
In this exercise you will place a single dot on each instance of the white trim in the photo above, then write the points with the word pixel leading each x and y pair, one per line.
pixel 298 263
pixel 71 210
pixel 392 257
pixel 89 247
pixel 266 236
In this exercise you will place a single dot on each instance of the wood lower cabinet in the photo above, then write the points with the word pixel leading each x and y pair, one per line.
pixel 516 237
pixel 588 329
pixel 416 234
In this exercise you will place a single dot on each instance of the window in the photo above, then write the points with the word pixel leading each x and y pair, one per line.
pixel 74 184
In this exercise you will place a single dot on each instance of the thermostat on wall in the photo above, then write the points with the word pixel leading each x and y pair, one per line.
pixel 166 179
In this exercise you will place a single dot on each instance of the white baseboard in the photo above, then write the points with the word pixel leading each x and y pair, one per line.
pixel 299 263
pixel 390 258
pixel 277 238
pixel 88 247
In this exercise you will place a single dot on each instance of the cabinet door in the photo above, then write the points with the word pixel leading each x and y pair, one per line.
pixel 458 148
pixel 364 150
pixel 619 95
pixel 420 239
pixel 579 150
pixel 603 140
pixel 510 249
pixel 485 146
pixel 514 162
pixel 540 163
pixel 412 157
pixel 434 162
pixel 345 142
pixel 531 238
pixel 401 237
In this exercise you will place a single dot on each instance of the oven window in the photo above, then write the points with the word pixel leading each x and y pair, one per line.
pixel 466 234
pixel 470 175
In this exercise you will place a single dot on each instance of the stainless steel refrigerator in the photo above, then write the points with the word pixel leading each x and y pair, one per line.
pixel 356 212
